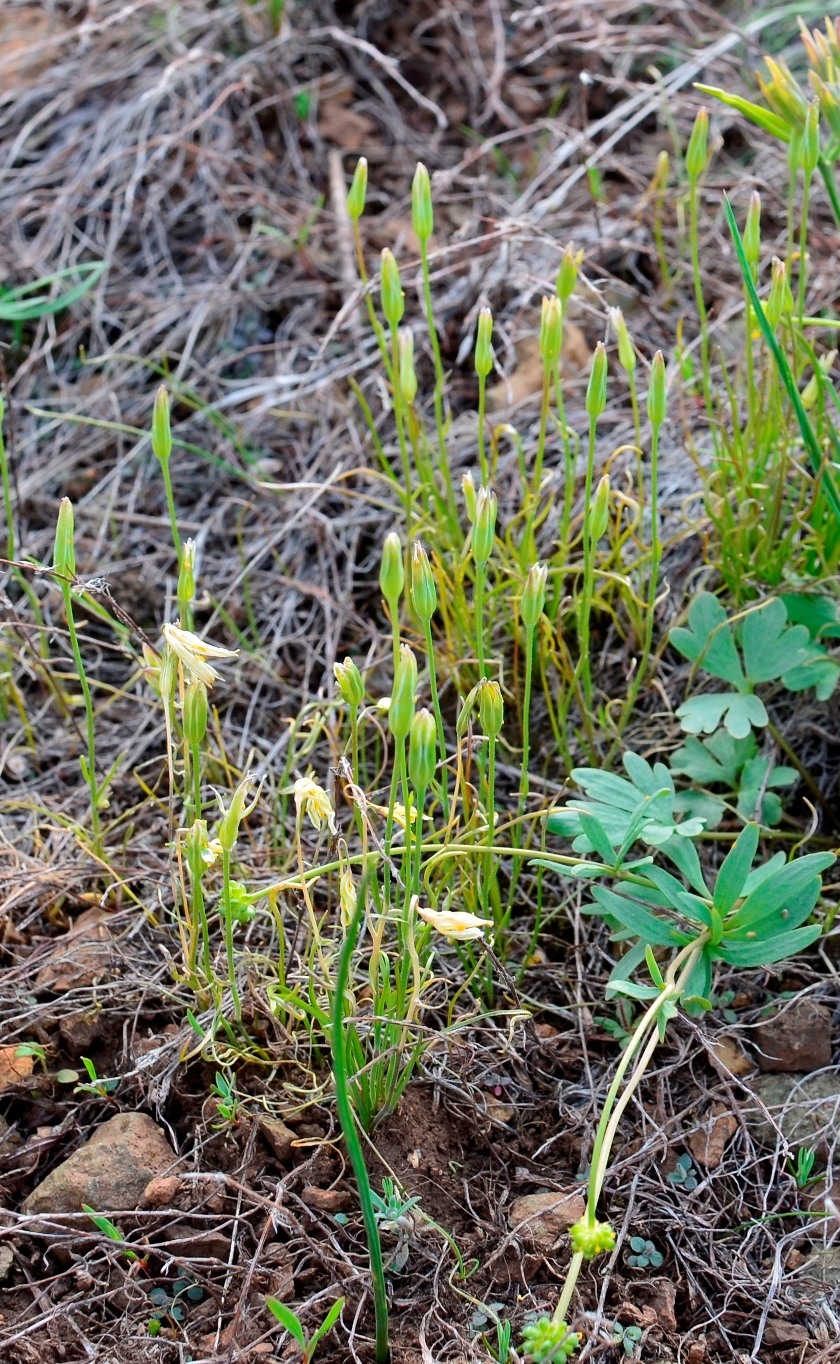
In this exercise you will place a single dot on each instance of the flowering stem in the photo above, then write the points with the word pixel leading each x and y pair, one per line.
pixel 89 765
pixel 440 381
pixel 428 644
pixel 479 618
pixel 227 920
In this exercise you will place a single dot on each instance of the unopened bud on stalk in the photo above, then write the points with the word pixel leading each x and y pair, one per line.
pixel 596 390
pixel 663 170
pixel 626 352
pixel 783 94
pixel 533 596
pixel 422 751
pixel 752 232
pixel 568 274
pixel 491 708
pixel 423 590
pixel 403 695
pixel 468 489
pixel 483 343
pixel 780 301
pixel 195 713
pixel 233 816
pixel 657 399
pixel 392 572
pixel 811 391
pixel 551 331
pixel 698 146
pixel 186 573
pixel 422 214
pixel 349 682
pixel 161 426
pixel 810 148
pixel 197 849
pixel 390 289
pixel 599 512
pixel 168 675
pixel 358 190
pixel 407 375
pixel 347 898
pixel 64 553
pixel 484 525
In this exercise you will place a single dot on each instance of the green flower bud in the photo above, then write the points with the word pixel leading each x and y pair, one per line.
pixel 599 511
pixel 549 1342
pixel 349 681
pixel 407 375
pixel 533 596
pixel 663 171
pixel 491 708
pixel 161 427
pixel 240 905
pixel 422 214
pixel 626 352
pixel 358 190
pixel 403 695
pixel 195 712
pixel 197 849
pixel 568 274
pixel 780 301
pixel 422 751
pixel 168 675
pixel 186 573
pixel 551 331
pixel 698 146
pixel 423 590
pixel 596 389
pixel 392 572
pixel 233 816
pixel 390 289
pixel 591 1238
pixel 810 150
pixel 468 489
pixel 483 343
pixel 64 553
pixel 484 525
pixel 657 399
pixel 752 233
pixel 465 713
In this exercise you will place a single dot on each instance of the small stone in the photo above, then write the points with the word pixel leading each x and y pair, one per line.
pixel 7 1259
pixel 280 1138
pixel 110 1172
pixel 786 1333
pixel 796 1038
pixel 325 1200
pixel 542 1218
pixel 730 1056
pixel 162 1192
pixel 14 1069
pixel 663 1299
pixel 504 1113
pixel 696 1352
pixel 79 1031
pixel 806 1108
pixel 708 1142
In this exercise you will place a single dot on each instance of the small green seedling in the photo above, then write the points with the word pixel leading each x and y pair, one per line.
pixel 644 1254
pixel 291 1322
pixel 103 1089
pixel 227 1100
pixel 109 1229
pixel 803 1166
pixel 684 1175
pixel 393 1215
pixel 627 1337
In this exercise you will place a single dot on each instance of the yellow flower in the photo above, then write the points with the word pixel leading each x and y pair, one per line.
pixel 312 800
pixel 193 651
pixel 454 924
pixel 399 814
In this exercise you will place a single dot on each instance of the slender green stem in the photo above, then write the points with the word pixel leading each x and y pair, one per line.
pixel 827 173
pixel 438 714
pixel 653 585
pixel 227 919
pixel 440 382
pixel 482 451
pixel 6 475
pixel 347 1119
pixel 90 717
pixel 525 776
pixel 694 241
pixel 803 249
pixel 583 671
pixel 479 619
pixel 399 417
pixel 195 765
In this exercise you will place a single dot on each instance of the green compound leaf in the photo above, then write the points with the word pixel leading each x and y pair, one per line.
pixel 708 640
pixel 739 713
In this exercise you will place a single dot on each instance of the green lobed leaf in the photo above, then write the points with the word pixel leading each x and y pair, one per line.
pixel 769 644
pixel 708 640
pixel 703 714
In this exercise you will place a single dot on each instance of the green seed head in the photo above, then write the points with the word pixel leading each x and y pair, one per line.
pixel 468 489
pixel 403 695
pixel 698 146
pixel 423 590
pixel 533 595
pixel 407 375
pixel 64 553
pixel 657 399
pixel 422 751
pixel 422 214
pixel 391 294
pixel 483 344
pixel 591 1238
pixel 626 352
pixel 596 390
pixel 548 1341
pixel 392 572
pixel 599 513
pixel 484 525
pixel 752 232
pixel 568 274
pixel 358 190
pixel 491 708
pixel 349 682
pixel 551 331
pixel 161 426
pixel 186 573
pixel 195 713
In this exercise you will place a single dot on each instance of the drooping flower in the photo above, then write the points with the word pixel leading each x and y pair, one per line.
pixel 456 925
pixel 193 652
pixel 312 800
